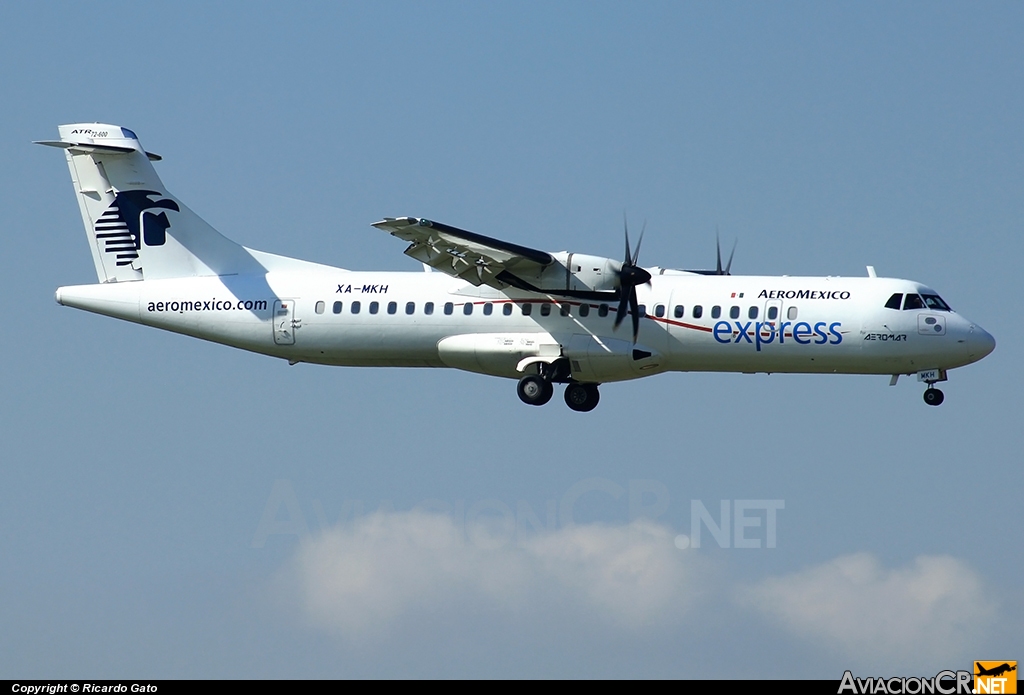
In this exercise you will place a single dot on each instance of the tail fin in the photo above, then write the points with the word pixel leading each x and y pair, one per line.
pixel 136 229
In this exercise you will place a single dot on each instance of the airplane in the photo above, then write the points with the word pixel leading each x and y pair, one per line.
pixel 495 307
pixel 995 671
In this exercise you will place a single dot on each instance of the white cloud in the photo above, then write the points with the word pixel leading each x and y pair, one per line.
pixel 360 579
pixel 413 573
pixel 934 606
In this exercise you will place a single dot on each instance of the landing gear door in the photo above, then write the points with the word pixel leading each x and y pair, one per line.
pixel 284 322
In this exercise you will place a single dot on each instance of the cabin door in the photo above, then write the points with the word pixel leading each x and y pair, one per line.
pixel 284 322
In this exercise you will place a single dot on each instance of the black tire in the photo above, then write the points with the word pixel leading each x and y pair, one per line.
pixel 582 397
pixel 534 390
pixel 933 397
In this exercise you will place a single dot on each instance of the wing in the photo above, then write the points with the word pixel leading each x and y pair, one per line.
pixel 473 257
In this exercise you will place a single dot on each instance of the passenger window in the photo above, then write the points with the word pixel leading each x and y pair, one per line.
pixel 467 308
pixel 584 310
pixel 410 307
pixel 374 307
pixel 428 308
pixel 791 313
pixel 545 309
pixel 320 306
pixel 734 312
pixel 527 309
pixel 659 310
pixel 894 301
pixel 355 307
pixel 752 312
pixel 337 307
pixel 488 308
pixel 678 311
pixel 506 309
pixel 642 310
pixel 563 309
pixel 448 308
pixel 716 312
pixel 602 310
pixel 773 313
pixel 934 301
pixel 913 301
pixel 698 311
pixel 392 307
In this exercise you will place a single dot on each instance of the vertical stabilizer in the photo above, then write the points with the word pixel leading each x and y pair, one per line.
pixel 136 229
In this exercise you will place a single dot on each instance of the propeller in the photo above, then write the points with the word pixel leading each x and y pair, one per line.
pixel 631 275
pixel 719 270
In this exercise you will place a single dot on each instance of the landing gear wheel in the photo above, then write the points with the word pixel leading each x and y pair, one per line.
pixel 582 397
pixel 534 390
pixel 933 396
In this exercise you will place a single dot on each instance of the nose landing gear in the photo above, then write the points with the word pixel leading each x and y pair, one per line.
pixel 933 396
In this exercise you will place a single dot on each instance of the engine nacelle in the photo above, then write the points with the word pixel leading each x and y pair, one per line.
pixel 600 359
pixel 577 271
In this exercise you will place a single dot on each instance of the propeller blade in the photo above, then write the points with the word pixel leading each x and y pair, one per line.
pixel 718 253
pixel 625 228
pixel 634 308
pixel 731 253
pixel 620 313
pixel 636 254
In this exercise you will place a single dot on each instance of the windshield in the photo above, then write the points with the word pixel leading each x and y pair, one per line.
pixel 934 301
pixel 913 301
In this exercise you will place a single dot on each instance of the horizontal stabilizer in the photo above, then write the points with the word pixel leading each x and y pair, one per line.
pixel 93 148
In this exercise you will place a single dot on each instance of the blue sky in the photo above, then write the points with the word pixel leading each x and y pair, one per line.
pixel 138 466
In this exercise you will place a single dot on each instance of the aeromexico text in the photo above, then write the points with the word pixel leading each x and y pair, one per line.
pixel 803 294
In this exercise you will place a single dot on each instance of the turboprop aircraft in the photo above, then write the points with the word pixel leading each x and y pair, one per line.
pixel 495 307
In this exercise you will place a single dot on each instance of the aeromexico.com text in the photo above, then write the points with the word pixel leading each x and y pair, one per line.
pixel 209 305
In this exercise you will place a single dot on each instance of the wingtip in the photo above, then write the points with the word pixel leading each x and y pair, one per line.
pixel 396 222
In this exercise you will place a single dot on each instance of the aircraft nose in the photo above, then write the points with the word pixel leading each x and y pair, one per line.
pixel 980 342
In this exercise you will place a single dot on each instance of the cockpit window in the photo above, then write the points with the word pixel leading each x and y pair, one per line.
pixel 913 301
pixel 934 301
pixel 895 301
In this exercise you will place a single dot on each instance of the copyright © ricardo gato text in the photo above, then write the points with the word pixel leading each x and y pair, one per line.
pixel 53 688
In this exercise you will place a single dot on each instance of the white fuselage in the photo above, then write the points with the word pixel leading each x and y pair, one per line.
pixel 761 324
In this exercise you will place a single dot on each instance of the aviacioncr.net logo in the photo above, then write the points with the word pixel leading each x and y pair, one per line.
pixel 943 683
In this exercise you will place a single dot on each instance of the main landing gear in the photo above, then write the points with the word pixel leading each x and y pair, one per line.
pixel 536 389
pixel 582 397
